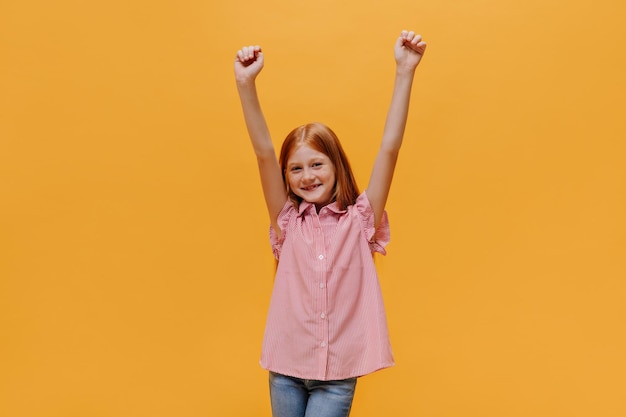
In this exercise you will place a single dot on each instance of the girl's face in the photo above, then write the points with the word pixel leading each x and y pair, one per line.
pixel 311 175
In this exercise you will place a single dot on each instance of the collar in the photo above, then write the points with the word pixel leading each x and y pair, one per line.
pixel 305 205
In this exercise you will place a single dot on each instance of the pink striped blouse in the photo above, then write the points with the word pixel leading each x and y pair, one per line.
pixel 326 319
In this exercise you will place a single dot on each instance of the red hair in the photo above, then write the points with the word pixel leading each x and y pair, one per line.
pixel 321 138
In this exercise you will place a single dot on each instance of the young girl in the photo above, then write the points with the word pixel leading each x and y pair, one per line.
pixel 326 324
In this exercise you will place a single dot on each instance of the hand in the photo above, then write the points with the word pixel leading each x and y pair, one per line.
pixel 409 50
pixel 248 63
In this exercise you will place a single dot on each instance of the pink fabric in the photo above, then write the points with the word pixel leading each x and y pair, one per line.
pixel 326 319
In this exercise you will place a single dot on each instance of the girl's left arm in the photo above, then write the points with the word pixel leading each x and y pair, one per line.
pixel 408 50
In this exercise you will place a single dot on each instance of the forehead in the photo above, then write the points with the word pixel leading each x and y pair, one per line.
pixel 304 153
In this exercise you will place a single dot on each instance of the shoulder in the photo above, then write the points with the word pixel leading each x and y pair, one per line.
pixel 362 205
pixel 285 216
pixel 377 236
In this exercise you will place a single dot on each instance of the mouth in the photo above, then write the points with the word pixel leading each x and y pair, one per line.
pixel 311 187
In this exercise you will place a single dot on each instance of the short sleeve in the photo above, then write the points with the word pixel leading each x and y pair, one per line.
pixel 283 221
pixel 378 238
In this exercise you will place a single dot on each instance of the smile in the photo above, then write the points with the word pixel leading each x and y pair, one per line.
pixel 311 187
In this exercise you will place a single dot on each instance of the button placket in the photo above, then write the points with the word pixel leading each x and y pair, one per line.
pixel 322 296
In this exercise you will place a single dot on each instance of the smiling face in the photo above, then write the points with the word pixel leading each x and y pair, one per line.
pixel 332 176
pixel 311 175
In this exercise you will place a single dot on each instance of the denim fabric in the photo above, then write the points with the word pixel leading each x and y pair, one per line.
pixel 295 397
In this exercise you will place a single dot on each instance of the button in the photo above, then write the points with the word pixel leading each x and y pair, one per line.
pixel 322 285
pixel 323 344
pixel 323 315
pixel 320 257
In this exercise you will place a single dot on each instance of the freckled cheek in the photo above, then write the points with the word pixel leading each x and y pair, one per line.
pixel 293 181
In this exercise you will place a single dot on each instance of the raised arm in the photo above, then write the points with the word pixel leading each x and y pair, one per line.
pixel 408 51
pixel 248 64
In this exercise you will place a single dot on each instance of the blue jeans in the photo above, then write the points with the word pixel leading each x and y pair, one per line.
pixel 295 397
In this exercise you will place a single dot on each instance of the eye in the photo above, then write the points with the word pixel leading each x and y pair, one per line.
pixel 295 169
pixel 317 164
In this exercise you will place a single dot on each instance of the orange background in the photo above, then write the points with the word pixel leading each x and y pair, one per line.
pixel 135 271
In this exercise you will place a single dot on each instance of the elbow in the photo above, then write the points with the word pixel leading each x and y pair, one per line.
pixel 390 151
pixel 265 156
pixel 264 152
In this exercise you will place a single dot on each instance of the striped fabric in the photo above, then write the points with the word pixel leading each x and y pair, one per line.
pixel 326 319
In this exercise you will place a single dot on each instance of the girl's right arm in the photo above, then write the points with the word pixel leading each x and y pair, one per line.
pixel 248 64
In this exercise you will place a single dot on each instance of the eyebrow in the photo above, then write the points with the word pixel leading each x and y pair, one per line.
pixel 312 160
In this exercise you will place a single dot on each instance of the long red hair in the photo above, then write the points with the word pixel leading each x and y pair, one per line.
pixel 321 138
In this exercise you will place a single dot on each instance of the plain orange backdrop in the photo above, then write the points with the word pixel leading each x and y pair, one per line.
pixel 135 269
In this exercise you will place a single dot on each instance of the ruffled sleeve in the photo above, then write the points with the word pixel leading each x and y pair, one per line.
pixel 378 238
pixel 283 220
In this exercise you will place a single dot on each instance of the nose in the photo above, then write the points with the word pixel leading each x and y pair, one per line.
pixel 308 174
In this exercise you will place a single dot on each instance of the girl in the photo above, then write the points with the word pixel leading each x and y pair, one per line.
pixel 326 324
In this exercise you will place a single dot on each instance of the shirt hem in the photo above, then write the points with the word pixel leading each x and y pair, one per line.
pixel 337 377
